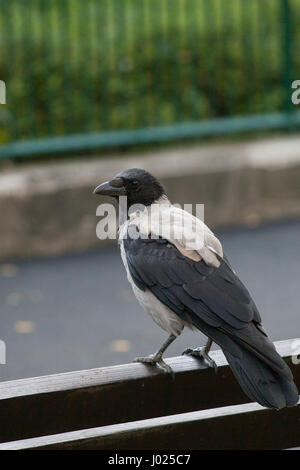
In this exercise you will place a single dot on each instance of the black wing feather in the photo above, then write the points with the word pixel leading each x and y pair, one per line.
pixel 216 295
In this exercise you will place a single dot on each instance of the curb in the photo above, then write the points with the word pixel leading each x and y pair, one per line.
pixel 49 209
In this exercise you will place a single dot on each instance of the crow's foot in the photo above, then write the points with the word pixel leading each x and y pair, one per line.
pixel 155 360
pixel 200 353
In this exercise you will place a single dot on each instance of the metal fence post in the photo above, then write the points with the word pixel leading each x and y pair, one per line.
pixel 287 59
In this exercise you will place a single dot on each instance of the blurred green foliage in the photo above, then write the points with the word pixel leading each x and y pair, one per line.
pixel 74 66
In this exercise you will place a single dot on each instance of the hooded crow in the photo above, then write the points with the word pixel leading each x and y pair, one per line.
pixel 180 276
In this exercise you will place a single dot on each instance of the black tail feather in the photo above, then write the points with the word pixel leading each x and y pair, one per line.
pixel 260 370
pixel 261 383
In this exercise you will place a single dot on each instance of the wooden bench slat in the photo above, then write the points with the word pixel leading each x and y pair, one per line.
pixel 99 397
pixel 247 426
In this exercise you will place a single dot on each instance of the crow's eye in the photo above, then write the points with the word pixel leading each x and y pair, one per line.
pixel 134 184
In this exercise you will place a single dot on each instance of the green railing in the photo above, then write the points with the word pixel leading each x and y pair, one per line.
pixel 86 74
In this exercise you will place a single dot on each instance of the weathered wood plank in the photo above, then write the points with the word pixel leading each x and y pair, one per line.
pixel 247 426
pixel 130 392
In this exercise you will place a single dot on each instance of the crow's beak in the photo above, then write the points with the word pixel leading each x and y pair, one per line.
pixel 114 187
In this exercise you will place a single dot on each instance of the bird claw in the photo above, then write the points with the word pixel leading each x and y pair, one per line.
pixel 154 360
pixel 200 353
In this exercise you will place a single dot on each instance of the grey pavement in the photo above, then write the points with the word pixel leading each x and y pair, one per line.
pixel 78 312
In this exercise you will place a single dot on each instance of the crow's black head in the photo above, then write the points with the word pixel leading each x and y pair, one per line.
pixel 138 185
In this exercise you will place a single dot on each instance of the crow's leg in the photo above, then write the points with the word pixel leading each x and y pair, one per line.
pixel 156 358
pixel 202 353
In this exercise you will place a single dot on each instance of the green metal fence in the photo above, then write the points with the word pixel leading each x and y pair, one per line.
pixel 101 73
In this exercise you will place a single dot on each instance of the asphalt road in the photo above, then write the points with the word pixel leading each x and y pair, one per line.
pixel 78 312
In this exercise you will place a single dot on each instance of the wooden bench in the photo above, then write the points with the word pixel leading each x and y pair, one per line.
pixel 133 406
